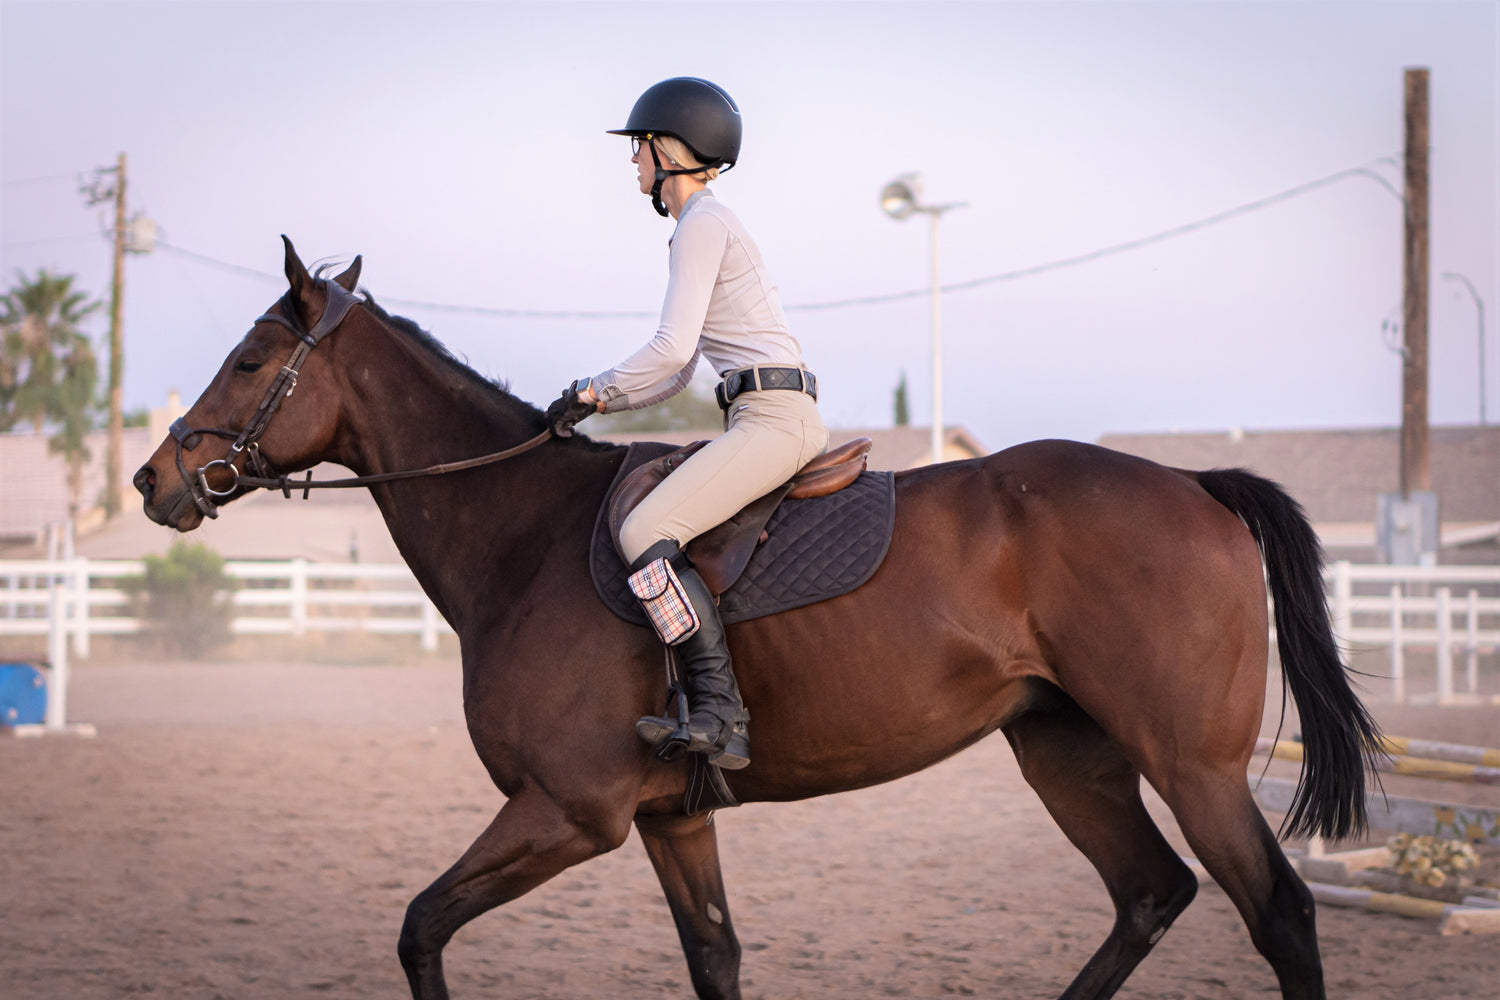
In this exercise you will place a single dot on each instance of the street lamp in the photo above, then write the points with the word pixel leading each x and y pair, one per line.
pixel 901 199
pixel 1479 308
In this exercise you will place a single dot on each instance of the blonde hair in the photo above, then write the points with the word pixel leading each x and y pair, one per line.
pixel 677 151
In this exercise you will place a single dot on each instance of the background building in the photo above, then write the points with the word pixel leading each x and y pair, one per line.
pixel 1337 474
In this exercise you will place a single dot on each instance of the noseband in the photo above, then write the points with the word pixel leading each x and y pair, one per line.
pixel 339 302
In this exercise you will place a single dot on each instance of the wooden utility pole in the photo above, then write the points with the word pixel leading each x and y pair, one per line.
pixel 1416 465
pixel 112 482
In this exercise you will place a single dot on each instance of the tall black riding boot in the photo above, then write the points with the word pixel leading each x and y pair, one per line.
pixel 718 724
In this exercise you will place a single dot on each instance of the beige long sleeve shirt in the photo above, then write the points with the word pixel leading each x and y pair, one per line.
pixel 720 305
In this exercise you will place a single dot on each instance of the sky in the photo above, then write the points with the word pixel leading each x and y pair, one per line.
pixel 461 149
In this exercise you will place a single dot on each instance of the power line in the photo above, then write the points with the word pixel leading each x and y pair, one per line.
pixel 223 265
pixel 8 181
pixel 418 303
pixel 51 239
pixel 1136 244
pixel 866 300
pixel 528 313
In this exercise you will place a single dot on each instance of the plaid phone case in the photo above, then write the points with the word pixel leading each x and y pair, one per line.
pixel 661 594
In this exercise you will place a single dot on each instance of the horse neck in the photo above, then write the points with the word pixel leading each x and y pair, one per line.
pixel 406 408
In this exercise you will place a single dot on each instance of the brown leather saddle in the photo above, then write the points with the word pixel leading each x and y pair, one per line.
pixel 722 553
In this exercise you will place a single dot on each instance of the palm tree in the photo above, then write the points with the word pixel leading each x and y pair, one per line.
pixel 48 370
pixel 75 412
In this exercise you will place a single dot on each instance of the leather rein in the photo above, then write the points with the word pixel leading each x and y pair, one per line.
pixel 246 440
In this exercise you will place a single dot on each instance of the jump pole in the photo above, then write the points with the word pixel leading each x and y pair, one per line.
pixel 57 658
pixel 1402 762
pixel 1452 918
pixel 1415 758
pixel 1456 752
pixel 1475 824
pixel 56 719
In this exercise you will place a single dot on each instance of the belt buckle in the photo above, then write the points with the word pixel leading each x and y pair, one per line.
pixel 732 385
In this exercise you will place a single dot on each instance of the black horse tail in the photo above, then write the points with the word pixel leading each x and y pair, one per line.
pixel 1338 733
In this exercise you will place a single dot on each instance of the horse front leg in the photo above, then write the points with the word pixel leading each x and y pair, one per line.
pixel 530 840
pixel 685 853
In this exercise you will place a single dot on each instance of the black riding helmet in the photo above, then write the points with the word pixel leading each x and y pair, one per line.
pixel 699 113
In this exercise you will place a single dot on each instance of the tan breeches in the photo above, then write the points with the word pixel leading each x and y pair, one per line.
pixel 768 436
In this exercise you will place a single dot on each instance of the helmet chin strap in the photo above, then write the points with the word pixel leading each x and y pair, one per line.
pixel 661 176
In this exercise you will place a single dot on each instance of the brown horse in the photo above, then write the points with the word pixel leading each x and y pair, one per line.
pixel 1106 613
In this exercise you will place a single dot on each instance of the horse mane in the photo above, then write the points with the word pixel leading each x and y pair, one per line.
pixel 409 329
pixel 494 388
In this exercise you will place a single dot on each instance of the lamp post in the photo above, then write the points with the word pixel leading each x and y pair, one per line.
pixel 1479 309
pixel 901 199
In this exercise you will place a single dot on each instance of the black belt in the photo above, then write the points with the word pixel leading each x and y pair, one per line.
pixel 764 377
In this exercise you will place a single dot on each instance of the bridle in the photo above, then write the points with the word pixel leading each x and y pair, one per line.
pixel 207 499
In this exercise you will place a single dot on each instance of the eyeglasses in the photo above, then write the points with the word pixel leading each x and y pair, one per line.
pixel 635 144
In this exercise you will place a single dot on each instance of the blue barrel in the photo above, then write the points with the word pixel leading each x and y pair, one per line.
pixel 23 695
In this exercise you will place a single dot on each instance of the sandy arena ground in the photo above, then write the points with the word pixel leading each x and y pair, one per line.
pixel 248 830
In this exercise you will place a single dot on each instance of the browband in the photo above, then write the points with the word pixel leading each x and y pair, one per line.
pixel 340 301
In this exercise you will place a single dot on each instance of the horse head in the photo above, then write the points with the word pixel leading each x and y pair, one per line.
pixel 230 429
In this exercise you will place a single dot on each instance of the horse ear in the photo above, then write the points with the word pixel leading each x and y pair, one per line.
pixel 296 271
pixel 350 277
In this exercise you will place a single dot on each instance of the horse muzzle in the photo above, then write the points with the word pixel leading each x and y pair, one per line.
pixel 174 509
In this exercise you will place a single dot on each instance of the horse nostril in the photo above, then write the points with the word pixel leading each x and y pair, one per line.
pixel 145 481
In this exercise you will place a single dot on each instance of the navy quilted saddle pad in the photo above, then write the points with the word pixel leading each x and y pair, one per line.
pixel 816 549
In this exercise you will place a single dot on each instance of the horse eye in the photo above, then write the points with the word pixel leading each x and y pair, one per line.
pixel 247 366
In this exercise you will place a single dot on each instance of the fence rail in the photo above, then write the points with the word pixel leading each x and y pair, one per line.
pixel 1450 612
pixel 294 598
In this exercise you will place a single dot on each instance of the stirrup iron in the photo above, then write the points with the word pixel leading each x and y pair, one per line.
pixel 677 743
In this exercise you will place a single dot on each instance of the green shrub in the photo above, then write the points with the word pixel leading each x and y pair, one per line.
pixel 185 599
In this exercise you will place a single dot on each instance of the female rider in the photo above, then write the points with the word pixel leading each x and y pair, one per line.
pixel 722 306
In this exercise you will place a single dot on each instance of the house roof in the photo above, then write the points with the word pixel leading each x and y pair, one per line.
pixel 1337 474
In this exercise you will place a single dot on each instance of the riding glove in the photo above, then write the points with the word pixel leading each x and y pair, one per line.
pixel 566 410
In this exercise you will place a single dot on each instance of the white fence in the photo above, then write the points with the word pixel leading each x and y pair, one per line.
pixel 1450 612
pixel 273 598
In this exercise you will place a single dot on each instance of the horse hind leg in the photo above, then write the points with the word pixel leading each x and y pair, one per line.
pixel 529 841
pixel 1093 793
pixel 1231 838
pixel 685 853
